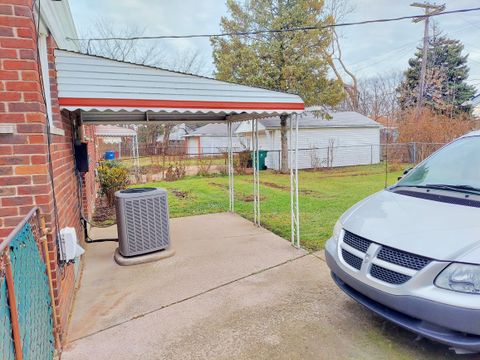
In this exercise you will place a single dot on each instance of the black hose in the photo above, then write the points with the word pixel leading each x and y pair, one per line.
pixel 88 239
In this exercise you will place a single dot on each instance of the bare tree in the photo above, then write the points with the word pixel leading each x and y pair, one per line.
pixel 134 51
pixel 145 52
pixel 378 97
pixel 338 10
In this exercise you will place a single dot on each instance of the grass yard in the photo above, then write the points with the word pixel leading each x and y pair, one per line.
pixel 172 160
pixel 324 196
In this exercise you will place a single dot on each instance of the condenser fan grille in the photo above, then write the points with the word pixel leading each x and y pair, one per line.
pixel 143 222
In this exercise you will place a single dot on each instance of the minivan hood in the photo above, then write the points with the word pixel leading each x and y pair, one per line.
pixel 425 227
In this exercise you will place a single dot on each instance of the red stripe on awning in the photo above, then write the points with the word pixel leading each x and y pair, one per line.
pixel 181 104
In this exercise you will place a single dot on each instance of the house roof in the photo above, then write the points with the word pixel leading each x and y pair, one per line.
pixel 309 120
pixel 214 130
pixel 97 84
pixel 178 132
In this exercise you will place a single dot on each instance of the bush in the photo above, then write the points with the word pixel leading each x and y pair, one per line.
pixel 112 177
pixel 428 127
pixel 241 164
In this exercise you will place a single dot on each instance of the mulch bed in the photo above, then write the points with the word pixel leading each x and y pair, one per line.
pixel 104 214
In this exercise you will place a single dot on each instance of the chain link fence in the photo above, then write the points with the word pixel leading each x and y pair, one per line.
pixel 214 160
pixel 26 314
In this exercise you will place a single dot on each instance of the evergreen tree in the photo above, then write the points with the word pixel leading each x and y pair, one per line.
pixel 285 61
pixel 445 88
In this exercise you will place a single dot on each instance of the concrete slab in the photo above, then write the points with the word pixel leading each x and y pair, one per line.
pixel 211 250
pixel 290 311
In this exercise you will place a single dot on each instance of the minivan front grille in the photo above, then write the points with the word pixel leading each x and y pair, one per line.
pixel 402 262
pixel 355 241
pixel 352 260
pixel 403 258
pixel 388 276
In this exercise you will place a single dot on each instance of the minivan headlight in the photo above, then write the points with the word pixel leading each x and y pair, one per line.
pixel 337 229
pixel 460 277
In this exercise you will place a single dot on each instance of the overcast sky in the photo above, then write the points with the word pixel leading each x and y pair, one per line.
pixel 368 50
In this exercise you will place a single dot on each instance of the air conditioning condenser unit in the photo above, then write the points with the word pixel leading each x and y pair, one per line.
pixel 142 221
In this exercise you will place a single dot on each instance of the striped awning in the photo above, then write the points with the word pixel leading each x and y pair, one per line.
pixel 101 86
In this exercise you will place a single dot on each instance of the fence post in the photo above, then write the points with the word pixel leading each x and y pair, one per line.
pixel 414 152
pixel 12 302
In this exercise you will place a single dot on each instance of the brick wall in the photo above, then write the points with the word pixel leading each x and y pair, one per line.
pixel 24 179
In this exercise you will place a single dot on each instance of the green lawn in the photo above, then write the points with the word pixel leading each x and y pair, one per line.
pixel 324 196
pixel 172 160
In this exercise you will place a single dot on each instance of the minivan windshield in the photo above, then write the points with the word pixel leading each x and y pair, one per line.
pixel 456 167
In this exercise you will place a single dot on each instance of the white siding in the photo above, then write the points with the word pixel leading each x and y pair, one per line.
pixel 211 144
pixel 351 146
pixel 192 145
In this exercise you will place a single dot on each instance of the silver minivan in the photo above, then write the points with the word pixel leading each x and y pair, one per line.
pixel 411 253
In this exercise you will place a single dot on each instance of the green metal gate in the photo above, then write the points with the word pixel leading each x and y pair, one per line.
pixel 26 319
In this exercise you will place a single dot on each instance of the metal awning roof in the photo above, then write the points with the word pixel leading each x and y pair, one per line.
pixel 114 91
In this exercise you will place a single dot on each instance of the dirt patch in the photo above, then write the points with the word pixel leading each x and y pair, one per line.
pixel 249 198
pixel 221 186
pixel 275 186
pixel 312 193
pixel 181 194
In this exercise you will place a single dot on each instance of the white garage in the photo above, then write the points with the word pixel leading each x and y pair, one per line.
pixel 347 139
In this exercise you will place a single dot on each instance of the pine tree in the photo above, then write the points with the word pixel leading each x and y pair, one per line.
pixel 445 88
pixel 285 61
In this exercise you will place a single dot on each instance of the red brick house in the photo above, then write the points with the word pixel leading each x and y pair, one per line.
pixel 28 105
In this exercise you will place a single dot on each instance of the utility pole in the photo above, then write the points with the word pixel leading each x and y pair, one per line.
pixel 430 9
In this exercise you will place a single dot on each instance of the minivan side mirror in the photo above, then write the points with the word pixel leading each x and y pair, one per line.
pixel 405 172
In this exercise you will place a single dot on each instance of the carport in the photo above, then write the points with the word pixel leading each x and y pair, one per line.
pixel 107 91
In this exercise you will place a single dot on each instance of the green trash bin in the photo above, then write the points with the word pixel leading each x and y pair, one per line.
pixel 262 155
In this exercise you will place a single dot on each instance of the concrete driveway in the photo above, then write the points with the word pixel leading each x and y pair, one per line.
pixel 232 291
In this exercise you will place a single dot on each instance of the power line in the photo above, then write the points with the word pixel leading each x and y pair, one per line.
pixel 401 48
pixel 274 31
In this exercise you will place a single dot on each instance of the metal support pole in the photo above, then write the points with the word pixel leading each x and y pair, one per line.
pixel 297 210
pixel 294 207
pixel 231 185
pixel 257 165
pixel 292 219
pixel 254 166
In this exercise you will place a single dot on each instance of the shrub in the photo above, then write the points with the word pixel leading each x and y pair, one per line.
pixel 428 127
pixel 204 164
pixel 112 177
pixel 242 162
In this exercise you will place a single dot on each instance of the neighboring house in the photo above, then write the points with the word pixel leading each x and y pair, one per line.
pixel 348 138
pixel 177 143
pixel 212 139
